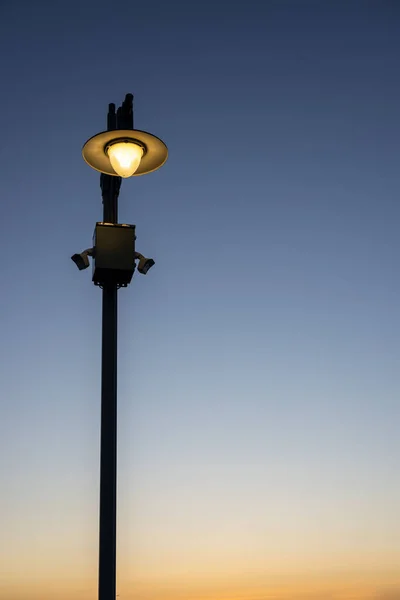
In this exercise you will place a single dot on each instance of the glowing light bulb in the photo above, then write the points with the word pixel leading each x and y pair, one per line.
pixel 125 158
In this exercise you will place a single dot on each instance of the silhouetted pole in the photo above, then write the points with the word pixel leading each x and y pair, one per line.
pixel 110 187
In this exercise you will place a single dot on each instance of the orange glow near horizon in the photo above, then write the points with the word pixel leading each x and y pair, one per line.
pixel 356 587
pixel 186 545
pixel 46 580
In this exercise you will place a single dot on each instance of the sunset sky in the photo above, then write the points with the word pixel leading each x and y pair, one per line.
pixel 259 359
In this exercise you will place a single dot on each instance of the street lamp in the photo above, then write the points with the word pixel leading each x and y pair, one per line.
pixel 117 153
pixel 125 152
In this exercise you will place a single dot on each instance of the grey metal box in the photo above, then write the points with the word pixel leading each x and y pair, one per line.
pixel 114 253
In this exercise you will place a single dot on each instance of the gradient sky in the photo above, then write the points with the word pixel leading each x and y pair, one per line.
pixel 259 360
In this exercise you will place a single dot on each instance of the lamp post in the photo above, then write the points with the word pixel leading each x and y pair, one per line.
pixel 117 153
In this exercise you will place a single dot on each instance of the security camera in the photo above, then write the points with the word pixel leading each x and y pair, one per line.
pixel 144 263
pixel 82 260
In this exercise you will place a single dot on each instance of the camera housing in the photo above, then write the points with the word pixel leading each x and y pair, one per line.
pixel 144 263
pixel 82 260
pixel 114 257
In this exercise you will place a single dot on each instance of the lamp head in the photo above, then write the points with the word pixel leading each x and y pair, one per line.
pixel 125 152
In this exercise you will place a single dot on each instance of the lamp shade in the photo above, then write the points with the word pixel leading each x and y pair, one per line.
pixel 99 154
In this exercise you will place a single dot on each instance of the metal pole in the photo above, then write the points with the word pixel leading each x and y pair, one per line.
pixel 110 187
pixel 108 450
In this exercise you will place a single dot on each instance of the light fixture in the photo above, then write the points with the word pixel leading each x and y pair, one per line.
pixel 125 152
pixel 125 157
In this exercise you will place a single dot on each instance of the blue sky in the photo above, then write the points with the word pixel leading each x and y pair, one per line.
pixel 259 359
